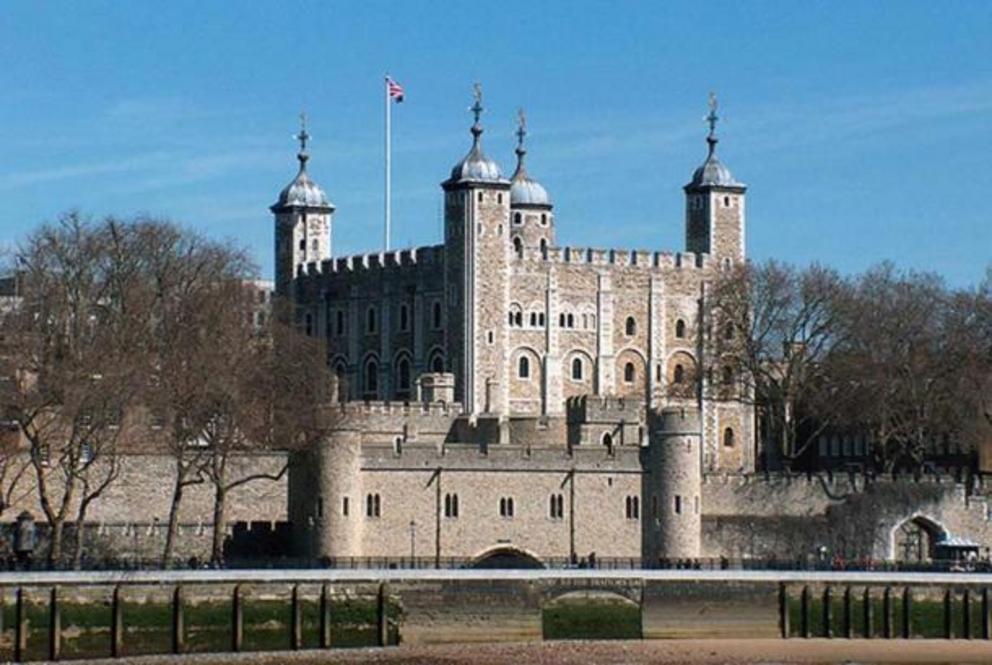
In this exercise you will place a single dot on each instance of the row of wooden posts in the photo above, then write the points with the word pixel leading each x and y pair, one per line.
pixel 178 623
pixel 888 627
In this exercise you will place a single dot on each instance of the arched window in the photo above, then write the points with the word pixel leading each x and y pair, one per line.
pixel 571 320
pixel 544 248
pixel 371 379
pixel 437 364
pixel 628 372
pixel 518 247
pixel 576 369
pixel 403 375
pixel 404 318
pixel 451 505
pixel 373 505
pixel 556 506
pixel 370 320
pixel 523 367
pixel 544 219
pixel 631 326
pixel 533 319
pixel 728 437
pixel 728 375
pixel 436 315
pixel 680 329
pixel 540 319
pixel 607 439
pixel 518 319
pixel 517 218
pixel 561 320
pixel 679 374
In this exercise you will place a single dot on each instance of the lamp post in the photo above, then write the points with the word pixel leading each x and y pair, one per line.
pixel 413 541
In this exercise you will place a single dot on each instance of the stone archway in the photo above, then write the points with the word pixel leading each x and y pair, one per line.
pixel 603 614
pixel 914 540
pixel 507 557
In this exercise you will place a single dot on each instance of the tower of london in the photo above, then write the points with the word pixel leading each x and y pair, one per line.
pixel 504 391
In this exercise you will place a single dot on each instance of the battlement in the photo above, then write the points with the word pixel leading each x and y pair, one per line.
pixel 388 408
pixel 625 258
pixel 591 408
pixel 430 256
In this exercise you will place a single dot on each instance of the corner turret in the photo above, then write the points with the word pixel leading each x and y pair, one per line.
pixel 714 205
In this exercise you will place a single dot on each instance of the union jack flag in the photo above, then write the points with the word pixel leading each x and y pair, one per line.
pixel 395 90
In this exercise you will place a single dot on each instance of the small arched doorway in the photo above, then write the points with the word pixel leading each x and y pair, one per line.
pixel 591 615
pixel 915 540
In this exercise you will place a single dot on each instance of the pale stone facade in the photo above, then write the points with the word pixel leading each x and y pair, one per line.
pixel 558 436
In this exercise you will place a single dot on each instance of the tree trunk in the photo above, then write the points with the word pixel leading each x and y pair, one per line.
pixel 55 547
pixel 220 510
pixel 77 546
pixel 173 527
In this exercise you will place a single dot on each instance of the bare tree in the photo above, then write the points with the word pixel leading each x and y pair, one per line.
pixel 74 376
pixel 263 393
pixel 771 330
pixel 911 348
pixel 186 274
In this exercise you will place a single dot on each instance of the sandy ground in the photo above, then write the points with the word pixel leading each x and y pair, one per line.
pixel 690 652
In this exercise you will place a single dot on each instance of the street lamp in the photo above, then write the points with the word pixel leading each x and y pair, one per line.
pixel 413 541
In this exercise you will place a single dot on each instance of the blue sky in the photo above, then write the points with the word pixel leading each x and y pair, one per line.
pixel 864 130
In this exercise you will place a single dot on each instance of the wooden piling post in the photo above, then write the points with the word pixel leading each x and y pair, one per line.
pixel 966 616
pixel 116 624
pixel 848 619
pixel 237 620
pixel 325 617
pixel 986 617
pixel 907 613
pixel 383 615
pixel 828 630
pixel 866 608
pixel 783 610
pixel 54 626
pixel 20 626
pixel 296 622
pixel 178 628
pixel 948 615
pixel 887 613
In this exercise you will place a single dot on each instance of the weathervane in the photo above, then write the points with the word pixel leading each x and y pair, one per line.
pixel 712 117
pixel 303 136
pixel 521 128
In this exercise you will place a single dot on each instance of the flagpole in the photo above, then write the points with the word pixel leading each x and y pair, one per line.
pixel 385 90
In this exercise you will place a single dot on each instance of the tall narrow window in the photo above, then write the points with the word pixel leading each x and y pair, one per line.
pixel 436 315
pixel 437 364
pixel 344 506
pixel 728 437
pixel 517 219
pixel 544 248
pixel 523 367
pixel 404 318
pixel 339 322
pixel 506 506
pixel 373 505
pixel 571 320
pixel 518 247
pixel 403 375
pixel 370 321
pixel 371 379
pixel 631 326
pixel 680 329
pixel 451 505
pixel 678 375
pixel 628 373
pixel 633 508
pixel 576 369
pixel 678 504
pixel 556 506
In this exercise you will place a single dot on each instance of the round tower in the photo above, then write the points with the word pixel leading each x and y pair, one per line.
pixel 674 486
pixel 339 505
